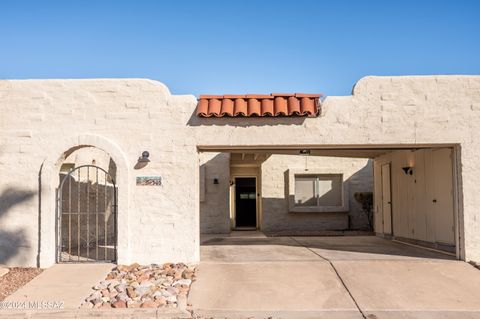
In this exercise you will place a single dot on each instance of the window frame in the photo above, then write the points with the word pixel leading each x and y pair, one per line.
pixel 292 173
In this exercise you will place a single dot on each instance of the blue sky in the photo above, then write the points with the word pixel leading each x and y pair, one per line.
pixel 239 46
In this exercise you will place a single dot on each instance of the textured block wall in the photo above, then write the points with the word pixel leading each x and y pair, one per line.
pixel 215 208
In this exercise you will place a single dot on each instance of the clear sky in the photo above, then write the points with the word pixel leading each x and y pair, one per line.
pixel 241 46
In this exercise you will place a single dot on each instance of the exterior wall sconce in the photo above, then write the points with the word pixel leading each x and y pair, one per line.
pixel 408 170
pixel 144 157
pixel 215 181
pixel 304 152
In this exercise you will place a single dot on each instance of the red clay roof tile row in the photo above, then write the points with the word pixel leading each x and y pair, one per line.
pixel 275 104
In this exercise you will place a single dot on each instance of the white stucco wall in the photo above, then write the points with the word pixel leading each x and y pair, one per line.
pixel 41 119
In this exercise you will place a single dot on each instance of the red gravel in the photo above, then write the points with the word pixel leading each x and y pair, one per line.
pixel 16 278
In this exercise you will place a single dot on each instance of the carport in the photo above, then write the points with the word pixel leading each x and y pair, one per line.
pixel 415 188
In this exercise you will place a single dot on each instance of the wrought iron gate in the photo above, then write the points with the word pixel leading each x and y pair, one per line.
pixel 87 216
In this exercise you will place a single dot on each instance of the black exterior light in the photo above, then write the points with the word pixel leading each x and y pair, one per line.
pixel 215 181
pixel 408 170
pixel 144 157
pixel 305 152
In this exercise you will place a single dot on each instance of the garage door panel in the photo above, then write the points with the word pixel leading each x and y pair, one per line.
pixel 430 194
pixel 420 200
pixel 399 198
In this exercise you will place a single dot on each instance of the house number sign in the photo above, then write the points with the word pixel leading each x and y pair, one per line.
pixel 149 181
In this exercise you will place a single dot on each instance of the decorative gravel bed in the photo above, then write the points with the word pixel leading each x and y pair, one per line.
pixel 137 286
pixel 16 278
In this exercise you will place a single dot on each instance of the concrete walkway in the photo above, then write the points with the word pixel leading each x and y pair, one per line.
pixel 330 277
pixel 67 283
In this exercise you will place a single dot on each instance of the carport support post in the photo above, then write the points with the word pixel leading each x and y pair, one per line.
pixel 458 203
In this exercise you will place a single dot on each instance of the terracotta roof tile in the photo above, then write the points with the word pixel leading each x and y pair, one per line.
pixel 275 104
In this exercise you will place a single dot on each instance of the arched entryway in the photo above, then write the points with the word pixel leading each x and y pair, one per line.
pixel 86 214
pixel 115 162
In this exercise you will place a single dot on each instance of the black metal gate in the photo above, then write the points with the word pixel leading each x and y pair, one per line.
pixel 87 216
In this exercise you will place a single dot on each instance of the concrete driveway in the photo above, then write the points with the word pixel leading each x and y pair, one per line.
pixel 249 275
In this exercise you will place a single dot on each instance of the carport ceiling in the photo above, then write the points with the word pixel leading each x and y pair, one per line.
pixel 360 151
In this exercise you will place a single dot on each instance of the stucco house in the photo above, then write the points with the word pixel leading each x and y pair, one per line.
pixel 124 171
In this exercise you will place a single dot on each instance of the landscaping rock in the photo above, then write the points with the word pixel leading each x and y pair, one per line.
pixel 106 305
pixel 122 296
pixel 151 286
pixel 160 300
pixel 172 290
pixel 149 304
pixel 141 290
pixel 100 287
pixel 121 287
pixel 95 295
pixel 131 292
pixel 183 282
pixel 188 274
pixel 97 301
pixel 119 304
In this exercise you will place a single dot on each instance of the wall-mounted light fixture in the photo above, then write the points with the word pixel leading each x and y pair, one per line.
pixel 408 170
pixel 305 152
pixel 144 157
pixel 215 181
